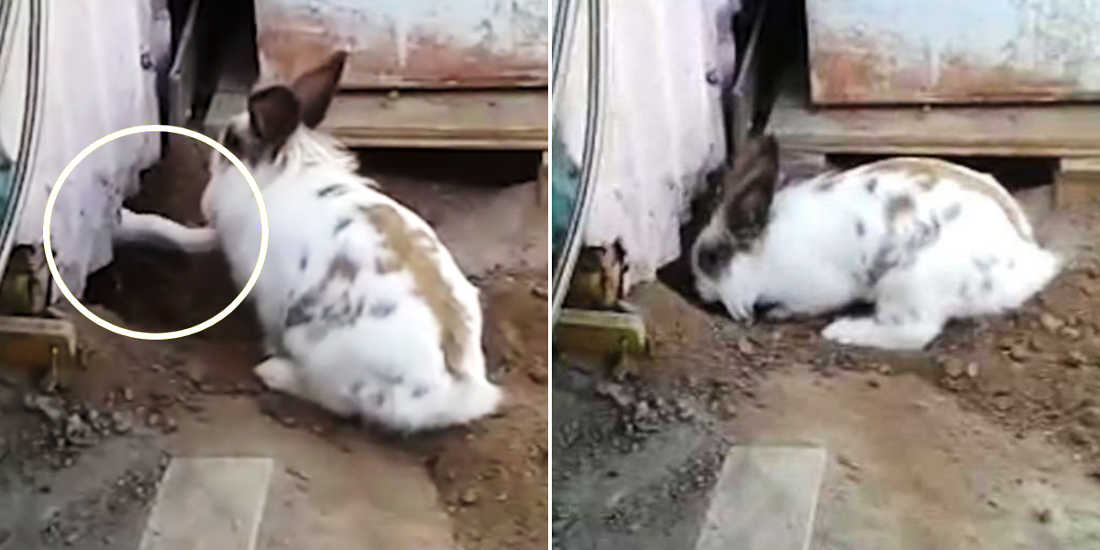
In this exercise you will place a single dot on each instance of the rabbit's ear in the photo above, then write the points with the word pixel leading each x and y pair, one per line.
pixel 751 184
pixel 274 114
pixel 316 88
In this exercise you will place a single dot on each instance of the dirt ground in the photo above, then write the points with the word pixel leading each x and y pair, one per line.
pixel 79 468
pixel 989 439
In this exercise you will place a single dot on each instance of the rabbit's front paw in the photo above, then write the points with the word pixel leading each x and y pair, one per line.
pixel 739 311
pixel 868 332
pixel 278 373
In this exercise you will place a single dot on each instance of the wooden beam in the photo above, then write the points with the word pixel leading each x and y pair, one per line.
pixel 1069 130
pixel 485 119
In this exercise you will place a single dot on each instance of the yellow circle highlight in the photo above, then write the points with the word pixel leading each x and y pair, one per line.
pixel 46 240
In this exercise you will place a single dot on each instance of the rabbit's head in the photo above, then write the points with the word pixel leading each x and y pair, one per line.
pixel 738 217
pixel 258 135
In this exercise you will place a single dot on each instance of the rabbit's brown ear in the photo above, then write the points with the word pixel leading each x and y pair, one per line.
pixel 750 185
pixel 316 88
pixel 274 114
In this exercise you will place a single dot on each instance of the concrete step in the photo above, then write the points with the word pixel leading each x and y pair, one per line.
pixel 209 503
pixel 765 499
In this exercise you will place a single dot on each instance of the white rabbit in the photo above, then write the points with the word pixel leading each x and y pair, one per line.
pixel 923 240
pixel 363 309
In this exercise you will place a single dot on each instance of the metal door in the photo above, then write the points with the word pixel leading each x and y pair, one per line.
pixel 403 44
pixel 952 51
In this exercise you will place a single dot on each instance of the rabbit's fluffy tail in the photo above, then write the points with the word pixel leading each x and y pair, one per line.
pixel 1036 268
pixel 413 408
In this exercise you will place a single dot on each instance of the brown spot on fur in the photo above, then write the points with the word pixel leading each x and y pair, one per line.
pixel 384 266
pixel 413 249
pixel 897 207
pixel 827 182
pixel 304 310
pixel 929 172
pixel 341 267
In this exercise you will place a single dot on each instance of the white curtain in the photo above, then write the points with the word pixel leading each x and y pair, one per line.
pixel 100 76
pixel 662 127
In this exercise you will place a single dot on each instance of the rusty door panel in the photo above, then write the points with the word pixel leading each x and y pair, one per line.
pixel 408 44
pixel 953 51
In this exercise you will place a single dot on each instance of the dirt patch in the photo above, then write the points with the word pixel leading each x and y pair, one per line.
pixel 493 477
pixel 988 439
pixel 338 484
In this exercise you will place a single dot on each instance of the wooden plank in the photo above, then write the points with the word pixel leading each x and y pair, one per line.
pixel 209 503
pixel 1077 181
pixel 871 51
pixel 1042 130
pixel 746 88
pixel 184 70
pixel 765 499
pixel 600 331
pixel 503 119
pixel 1080 165
pixel 422 44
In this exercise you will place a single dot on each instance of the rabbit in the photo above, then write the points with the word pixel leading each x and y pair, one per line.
pixel 922 239
pixel 363 309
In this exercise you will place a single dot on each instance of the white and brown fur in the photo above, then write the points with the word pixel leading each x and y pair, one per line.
pixel 922 239
pixel 363 309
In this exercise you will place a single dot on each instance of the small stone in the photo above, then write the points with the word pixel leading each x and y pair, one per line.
pixel 1044 515
pixel 1071 333
pixel 1050 322
pixel 1076 359
pixel 1018 353
pixel 1077 437
pixel 873 382
pixel 122 421
pixel 153 420
pixel 127 394
pixel 972 369
pixel 745 346
pixel 1090 418
pixel 469 497
pixel 847 462
pixel 170 425
pixel 1002 402
pixel 885 370
pixel 537 374
pixel 954 367
pixel 297 474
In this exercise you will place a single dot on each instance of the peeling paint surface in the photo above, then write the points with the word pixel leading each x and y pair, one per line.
pixel 401 44
pixel 947 51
